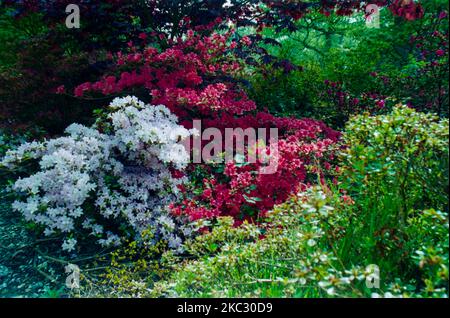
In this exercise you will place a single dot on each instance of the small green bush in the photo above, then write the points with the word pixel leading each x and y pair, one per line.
pixel 402 156
pixel 295 93
pixel 394 169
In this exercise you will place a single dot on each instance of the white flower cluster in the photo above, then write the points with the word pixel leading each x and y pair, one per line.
pixel 89 179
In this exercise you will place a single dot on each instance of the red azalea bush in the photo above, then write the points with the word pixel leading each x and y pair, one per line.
pixel 195 79
pixel 305 153
pixel 192 78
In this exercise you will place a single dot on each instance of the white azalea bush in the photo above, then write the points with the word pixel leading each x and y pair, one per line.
pixel 109 180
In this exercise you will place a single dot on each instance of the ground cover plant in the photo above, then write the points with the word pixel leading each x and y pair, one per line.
pixel 224 149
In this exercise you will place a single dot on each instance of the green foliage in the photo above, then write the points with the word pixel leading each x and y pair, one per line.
pixel 430 230
pixel 13 32
pixel 402 156
pixel 53 293
pixel 289 260
pixel 134 267
pixel 395 167
pixel 221 236
pixel 394 63
pixel 295 93
pixel 299 257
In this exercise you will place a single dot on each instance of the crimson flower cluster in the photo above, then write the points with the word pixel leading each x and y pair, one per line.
pixel 305 154
pixel 408 9
pixel 185 77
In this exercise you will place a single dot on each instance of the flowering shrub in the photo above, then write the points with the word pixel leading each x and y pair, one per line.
pixel 304 153
pixel 424 84
pixel 106 182
pixel 183 77
pixel 410 10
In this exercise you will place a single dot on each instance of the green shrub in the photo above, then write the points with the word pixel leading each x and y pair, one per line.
pixel 402 155
pixel 394 169
pixel 13 32
pixel 295 93
pixel 299 257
